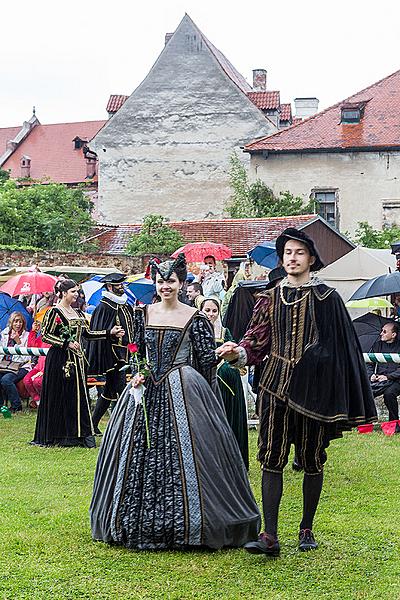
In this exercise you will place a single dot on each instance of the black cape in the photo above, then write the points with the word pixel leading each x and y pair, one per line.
pixel 105 355
pixel 330 381
pixel 240 308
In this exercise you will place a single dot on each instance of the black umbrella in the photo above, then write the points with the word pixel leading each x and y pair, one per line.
pixel 368 328
pixel 383 285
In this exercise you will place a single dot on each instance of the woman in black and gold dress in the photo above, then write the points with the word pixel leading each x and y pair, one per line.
pixel 64 412
pixel 169 472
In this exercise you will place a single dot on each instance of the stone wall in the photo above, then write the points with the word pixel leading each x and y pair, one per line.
pixel 367 184
pixel 122 262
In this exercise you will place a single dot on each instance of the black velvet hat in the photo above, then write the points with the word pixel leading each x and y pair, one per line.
pixel 113 278
pixel 274 276
pixel 291 233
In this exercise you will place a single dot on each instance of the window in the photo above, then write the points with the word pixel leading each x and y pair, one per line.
pixel 326 206
pixel 351 115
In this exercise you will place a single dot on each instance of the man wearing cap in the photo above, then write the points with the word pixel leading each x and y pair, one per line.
pixel 313 387
pixel 106 357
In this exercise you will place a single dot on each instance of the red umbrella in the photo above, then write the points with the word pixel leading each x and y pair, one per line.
pixel 197 251
pixel 31 282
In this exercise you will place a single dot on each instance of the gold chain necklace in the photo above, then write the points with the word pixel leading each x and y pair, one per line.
pixel 286 303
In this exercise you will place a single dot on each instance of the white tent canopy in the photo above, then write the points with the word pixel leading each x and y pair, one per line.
pixel 356 267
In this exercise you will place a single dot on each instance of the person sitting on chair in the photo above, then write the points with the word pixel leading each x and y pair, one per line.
pixel 385 377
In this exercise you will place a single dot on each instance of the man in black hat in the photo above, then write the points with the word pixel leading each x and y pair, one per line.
pixel 106 357
pixel 313 387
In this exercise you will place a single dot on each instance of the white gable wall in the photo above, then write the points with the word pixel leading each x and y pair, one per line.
pixel 167 149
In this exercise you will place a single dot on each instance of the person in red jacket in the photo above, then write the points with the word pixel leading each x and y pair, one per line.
pixel 33 380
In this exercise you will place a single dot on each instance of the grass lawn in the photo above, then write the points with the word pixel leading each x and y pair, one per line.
pixel 47 551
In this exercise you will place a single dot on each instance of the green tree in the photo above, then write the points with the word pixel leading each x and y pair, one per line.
pixel 4 176
pixel 257 199
pixel 369 237
pixel 155 237
pixel 49 216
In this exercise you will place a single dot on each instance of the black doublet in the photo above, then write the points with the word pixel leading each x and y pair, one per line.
pixel 106 355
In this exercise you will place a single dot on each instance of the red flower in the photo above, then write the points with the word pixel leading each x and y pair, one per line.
pixel 58 320
pixel 133 348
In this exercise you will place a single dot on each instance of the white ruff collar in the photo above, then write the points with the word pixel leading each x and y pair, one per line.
pixel 117 299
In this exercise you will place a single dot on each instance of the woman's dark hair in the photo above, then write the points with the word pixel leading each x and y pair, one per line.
pixel 217 304
pixel 166 268
pixel 63 286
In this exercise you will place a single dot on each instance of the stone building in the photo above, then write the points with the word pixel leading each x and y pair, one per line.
pixel 346 157
pixel 166 148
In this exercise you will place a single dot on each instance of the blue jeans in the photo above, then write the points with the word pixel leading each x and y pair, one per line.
pixel 9 392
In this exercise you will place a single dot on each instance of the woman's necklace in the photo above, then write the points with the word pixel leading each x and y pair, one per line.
pixel 286 303
pixel 69 310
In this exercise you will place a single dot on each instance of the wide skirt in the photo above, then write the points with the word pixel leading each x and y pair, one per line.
pixel 177 483
pixel 63 417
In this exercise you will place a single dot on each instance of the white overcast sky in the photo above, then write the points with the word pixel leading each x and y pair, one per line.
pixel 66 58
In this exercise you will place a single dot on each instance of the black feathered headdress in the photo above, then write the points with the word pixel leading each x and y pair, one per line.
pixel 166 268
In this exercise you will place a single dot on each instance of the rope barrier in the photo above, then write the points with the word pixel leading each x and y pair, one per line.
pixel 22 351
pixel 378 357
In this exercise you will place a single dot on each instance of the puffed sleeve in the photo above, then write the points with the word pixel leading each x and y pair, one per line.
pixel 139 331
pixel 203 348
pixel 50 335
pixel 256 342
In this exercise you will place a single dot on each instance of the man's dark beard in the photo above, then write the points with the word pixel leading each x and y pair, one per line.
pixel 118 291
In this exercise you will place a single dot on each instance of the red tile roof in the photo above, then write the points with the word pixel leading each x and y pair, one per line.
pixel 265 100
pixel 52 154
pixel 238 234
pixel 7 134
pixel 378 128
pixel 115 102
pixel 286 112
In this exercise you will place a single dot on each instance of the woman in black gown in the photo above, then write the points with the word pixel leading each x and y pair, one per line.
pixel 229 381
pixel 169 472
pixel 64 417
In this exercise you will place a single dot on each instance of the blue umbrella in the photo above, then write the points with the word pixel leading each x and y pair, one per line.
pixel 9 305
pixel 264 254
pixel 143 289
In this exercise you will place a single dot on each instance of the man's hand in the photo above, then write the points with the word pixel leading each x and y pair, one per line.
pixel 117 331
pixel 228 351
pixel 74 346
pixel 374 377
pixel 381 378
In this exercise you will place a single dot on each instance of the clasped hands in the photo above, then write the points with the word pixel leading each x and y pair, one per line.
pixel 378 378
pixel 228 351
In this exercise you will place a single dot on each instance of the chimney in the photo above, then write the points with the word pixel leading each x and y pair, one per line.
pixel 306 107
pixel 25 163
pixel 259 80
pixel 168 36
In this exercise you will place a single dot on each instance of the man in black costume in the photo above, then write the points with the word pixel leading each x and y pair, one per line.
pixel 108 356
pixel 314 385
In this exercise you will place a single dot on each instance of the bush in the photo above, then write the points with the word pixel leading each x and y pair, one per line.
pixel 155 237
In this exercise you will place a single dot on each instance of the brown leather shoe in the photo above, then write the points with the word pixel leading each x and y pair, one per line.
pixel 266 544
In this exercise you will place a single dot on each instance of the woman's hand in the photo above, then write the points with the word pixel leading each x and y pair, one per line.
pixel 228 351
pixel 74 346
pixel 138 380
pixel 14 336
pixel 36 326
pixel 117 331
